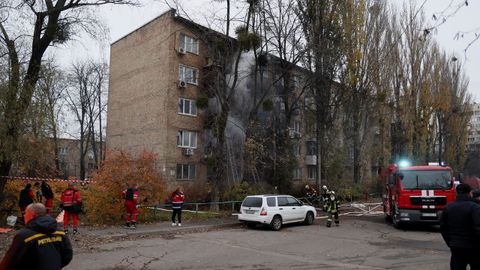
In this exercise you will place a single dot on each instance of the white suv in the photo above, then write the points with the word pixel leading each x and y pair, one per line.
pixel 275 210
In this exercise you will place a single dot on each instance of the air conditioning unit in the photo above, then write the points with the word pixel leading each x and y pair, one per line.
pixel 210 62
pixel 187 151
pixel 182 84
pixel 291 133
pixel 181 50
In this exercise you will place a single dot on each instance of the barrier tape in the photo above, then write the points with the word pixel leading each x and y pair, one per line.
pixel 37 179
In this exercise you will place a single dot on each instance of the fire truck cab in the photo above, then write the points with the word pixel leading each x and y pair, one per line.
pixel 417 194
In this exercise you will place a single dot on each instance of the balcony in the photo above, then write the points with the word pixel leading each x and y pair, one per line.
pixel 311 160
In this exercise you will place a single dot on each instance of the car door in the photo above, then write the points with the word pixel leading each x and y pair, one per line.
pixel 296 210
pixel 284 209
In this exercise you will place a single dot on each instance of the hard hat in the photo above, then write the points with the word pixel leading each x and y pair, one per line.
pixel 307 186
pixel 324 187
pixel 332 192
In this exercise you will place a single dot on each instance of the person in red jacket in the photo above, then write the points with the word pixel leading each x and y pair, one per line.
pixel 71 202
pixel 130 195
pixel 177 204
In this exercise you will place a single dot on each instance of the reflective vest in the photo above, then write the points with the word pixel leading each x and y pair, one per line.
pixel 70 197
pixel 333 205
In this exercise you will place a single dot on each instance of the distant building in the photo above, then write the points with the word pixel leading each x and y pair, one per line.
pixel 473 141
pixel 69 159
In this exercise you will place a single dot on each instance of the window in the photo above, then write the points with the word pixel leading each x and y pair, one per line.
pixel 296 126
pixel 311 148
pixel 311 128
pixel 271 202
pixel 188 74
pixel 296 80
pixel 187 106
pixel 297 173
pixel 186 171
pixel 190 44
pixel 187 139
pixel 90 154
pixel 310 103
pixel 312 172
pixel 292 201
pixel 252 202
pixel 282 201
pixel 63 166
pixel 63 151
pixel 297 149
pixel 426 179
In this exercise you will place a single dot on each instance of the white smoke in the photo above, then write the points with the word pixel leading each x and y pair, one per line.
pixel 240 108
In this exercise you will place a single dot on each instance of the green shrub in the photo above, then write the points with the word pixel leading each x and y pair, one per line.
pixel 239 191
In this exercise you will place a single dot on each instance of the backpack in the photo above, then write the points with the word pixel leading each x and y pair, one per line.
pixel 129 194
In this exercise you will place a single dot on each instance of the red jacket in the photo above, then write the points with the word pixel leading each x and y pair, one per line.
pixel 70 196
pixel 177 200
pixel 135 196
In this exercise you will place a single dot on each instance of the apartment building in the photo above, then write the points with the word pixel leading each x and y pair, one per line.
pixel 69 159
pixel 154 84
pixel 155 80
pixel 473 140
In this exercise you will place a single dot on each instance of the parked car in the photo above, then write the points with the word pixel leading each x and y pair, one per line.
pixel 275 210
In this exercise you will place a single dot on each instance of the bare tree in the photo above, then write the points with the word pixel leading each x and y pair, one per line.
pixel 48 22
pixel 51 85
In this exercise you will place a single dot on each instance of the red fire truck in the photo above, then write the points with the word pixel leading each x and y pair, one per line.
pixel 417 194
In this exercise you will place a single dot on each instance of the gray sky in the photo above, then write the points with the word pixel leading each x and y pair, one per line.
pixel 121 20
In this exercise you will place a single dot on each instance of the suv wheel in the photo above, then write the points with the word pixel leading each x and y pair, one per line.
pixel 276 223
pixel 309 218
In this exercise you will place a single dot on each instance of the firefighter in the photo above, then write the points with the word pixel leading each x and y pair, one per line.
pixel 39 245
pixel 311 192
pixel 333 206
pixel 71 203
pixel 130 195
pixel 48 195
pixel 324 195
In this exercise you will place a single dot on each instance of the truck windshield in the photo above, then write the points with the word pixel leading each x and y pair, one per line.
pixel 426 180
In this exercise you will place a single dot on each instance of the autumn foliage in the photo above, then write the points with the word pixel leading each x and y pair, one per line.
pixel 119 170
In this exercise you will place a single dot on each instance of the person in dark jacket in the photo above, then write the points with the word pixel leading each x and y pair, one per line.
pixel 48 195
pixel 460 228
pixel 26 198
pixel 40 245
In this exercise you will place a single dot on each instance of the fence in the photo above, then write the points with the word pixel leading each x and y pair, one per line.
pixel 200 207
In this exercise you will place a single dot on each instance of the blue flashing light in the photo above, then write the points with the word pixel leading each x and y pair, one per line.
pixel 404 163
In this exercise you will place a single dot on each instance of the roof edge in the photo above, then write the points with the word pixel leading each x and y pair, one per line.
pixel 170 11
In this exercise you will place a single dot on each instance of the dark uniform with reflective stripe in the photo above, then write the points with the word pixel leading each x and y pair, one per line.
pixel 38 246
pixel 332 208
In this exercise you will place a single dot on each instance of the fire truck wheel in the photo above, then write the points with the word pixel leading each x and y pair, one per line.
pixel 395 219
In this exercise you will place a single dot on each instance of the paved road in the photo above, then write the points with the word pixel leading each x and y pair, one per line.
pixel 366 243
